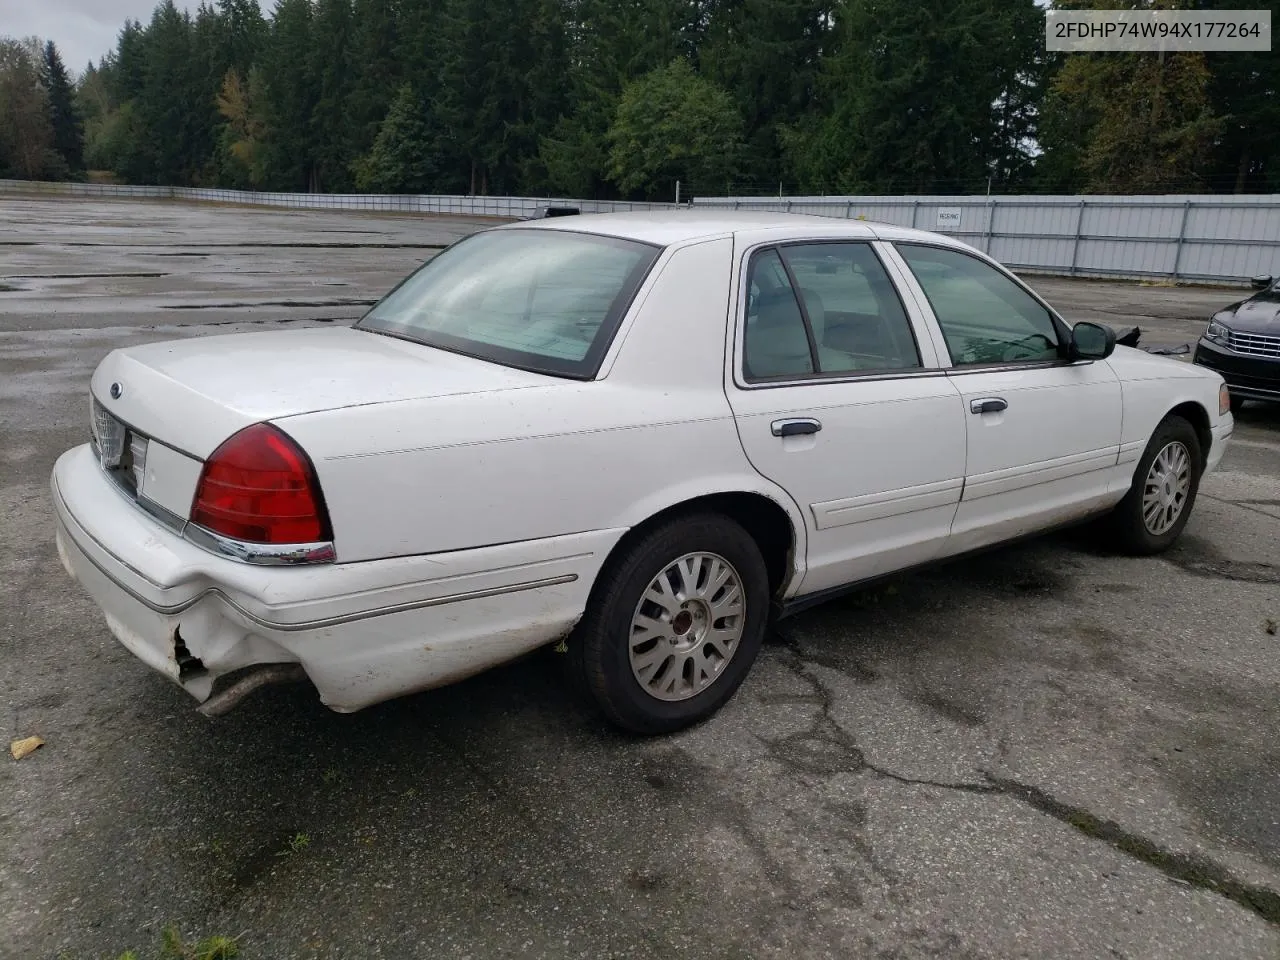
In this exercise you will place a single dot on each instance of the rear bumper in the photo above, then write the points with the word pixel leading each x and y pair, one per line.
pixel 363 632
pixel 1252 378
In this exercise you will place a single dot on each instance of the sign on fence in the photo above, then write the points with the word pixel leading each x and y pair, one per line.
pixel 948 218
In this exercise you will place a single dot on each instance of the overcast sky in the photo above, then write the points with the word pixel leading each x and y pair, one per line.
pixel 84 30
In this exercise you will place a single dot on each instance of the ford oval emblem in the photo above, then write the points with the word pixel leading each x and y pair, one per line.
pixel 116 390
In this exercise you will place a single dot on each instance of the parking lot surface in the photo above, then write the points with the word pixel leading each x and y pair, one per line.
pixel 1046 751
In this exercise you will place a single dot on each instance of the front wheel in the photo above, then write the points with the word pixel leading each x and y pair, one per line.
pixel 1151 516
pixel 674 624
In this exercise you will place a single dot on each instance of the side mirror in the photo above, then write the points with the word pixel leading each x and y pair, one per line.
pixel 1092 341
pixel 1261 281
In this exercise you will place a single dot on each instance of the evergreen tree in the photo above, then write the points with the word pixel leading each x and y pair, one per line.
pixel 68 133
pixel 913 93
pixel 580 97
pixel 403 158
pixel 333 143
pixel 242 34
pixel 378 70
pixel 171 103
pixel 290 94
pixel 673 125
pixel 747 41
pixel 609 44
pixel 26 129
pixel 1244 92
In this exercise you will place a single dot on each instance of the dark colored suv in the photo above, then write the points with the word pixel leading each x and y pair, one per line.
pixel 1242 342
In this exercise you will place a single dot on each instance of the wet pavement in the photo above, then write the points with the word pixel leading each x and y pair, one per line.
pixel 1048 751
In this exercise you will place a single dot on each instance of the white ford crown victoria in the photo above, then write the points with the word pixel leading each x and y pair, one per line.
pixel 646 434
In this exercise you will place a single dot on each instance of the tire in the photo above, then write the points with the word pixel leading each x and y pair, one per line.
pixel 1236 404
pixel 629 648
pixel 1142 526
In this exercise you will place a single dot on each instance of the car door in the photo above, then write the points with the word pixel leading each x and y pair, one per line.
pixel 1043 432
pixel 839 398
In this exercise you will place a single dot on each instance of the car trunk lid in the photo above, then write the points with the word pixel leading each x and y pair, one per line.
pixel 193 394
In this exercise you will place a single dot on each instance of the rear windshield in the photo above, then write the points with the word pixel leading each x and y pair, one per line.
pixel 543 300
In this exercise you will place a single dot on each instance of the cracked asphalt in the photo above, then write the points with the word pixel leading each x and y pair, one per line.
pixel 1046 751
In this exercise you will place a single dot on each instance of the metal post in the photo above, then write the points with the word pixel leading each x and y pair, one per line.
pixel 1182 232
pixel 848 210
pixel 915 208
pixel 1075 247
pixel 991 217
pixel 677 193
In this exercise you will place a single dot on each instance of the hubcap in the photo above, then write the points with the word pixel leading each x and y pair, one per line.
pixel 1164 495
pixel 687 626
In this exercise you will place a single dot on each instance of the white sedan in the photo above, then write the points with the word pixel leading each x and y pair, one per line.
pixel 645 434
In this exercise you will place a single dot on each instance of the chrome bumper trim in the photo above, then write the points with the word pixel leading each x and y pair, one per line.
pixel 262 554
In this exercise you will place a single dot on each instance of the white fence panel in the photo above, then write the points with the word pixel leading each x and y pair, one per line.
pixel 1222 239
pixel 1208 238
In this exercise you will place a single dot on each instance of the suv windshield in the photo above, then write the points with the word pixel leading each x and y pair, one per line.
pixel 542 300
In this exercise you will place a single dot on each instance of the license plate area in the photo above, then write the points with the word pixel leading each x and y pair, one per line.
pixel 121 451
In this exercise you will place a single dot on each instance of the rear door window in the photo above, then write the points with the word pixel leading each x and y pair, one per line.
pixel 824 308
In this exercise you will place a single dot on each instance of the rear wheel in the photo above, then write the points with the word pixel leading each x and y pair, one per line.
pixel 1154 511
pixel 673 624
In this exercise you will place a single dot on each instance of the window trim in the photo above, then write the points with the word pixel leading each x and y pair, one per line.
pixel 804 313
pixel 592 361
pixel 1059 324
pixel 745 382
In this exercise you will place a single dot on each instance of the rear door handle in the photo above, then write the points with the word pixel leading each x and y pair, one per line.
pixel 988 405
pixel 795 428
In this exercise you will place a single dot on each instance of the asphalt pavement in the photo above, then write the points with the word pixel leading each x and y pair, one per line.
pixel 1047 751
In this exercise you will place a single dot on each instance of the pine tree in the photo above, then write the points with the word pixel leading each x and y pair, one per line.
pixel 242 35
pixel 171 102
pixel 378 70
pixel 403 157
pixel 1244 91
pixel 290 95
pixel 913 93
pixel 333 143
pixel 26 131
pixel 746 42
pixel 608 45
pixel 68 132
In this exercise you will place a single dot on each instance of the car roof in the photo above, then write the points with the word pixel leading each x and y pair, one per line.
pixel 683 225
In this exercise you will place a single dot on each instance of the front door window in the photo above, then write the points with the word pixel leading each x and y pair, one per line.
pixel 985 317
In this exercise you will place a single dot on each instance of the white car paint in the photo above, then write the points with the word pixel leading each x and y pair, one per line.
pixel 473 505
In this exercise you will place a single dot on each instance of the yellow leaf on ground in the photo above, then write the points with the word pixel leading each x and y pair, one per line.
pixel 25 746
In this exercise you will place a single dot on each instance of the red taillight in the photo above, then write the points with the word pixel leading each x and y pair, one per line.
pixel 260 487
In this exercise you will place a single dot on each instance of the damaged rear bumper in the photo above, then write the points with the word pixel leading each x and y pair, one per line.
pixel 360 632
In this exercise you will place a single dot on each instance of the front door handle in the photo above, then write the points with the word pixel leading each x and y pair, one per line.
pixel 988 405
pixel 795 428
